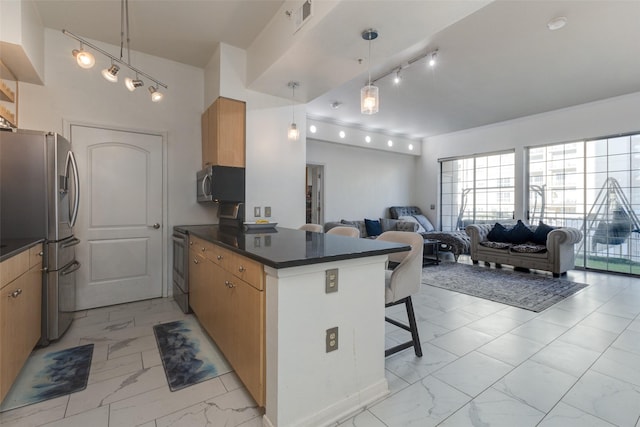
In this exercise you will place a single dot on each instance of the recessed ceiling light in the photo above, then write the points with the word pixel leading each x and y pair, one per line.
pixel 410 147
pixel 367 139
pixel 312 129
pixel 342 134
pixel 557 23
pixel 390 143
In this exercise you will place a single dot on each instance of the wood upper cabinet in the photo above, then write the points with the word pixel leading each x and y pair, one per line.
pixel 226 294
pixel 20 312
pixel 223 133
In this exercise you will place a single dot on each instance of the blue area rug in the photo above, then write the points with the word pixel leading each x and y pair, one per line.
pixel 47 375
pixel 188 354
pixel 533 292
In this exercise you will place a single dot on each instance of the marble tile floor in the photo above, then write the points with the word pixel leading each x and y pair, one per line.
pixel 484 364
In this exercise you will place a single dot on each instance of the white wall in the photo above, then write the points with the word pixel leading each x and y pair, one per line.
pixel 77 95
pixel 275 165
pixel 601 118
pixel 362 183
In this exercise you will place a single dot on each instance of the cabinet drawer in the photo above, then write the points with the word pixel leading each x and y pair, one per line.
pixel 35 256
pixel 14 267
pixel 201 246
pixel 248 270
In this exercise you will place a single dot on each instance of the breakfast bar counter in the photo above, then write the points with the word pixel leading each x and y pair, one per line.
pixel 323 325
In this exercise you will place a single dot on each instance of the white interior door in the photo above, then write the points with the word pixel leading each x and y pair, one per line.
pixel 120 220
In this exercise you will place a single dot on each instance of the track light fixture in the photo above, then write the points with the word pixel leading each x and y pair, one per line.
pixel 431 56
pixel 83 58
pixel 111 73
pixel 293 132
pixel 156 96
pixel 369 99
pixel 133 84
pixel 86 59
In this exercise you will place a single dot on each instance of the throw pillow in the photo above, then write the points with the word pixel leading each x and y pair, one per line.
pixel 519 234
pixel 360 225
pixel 424 222
pixel 373 226
pixel 410 218
pixel 540 235
pixel 498 233
pixel 388 224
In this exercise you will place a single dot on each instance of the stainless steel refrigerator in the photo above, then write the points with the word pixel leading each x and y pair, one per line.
pixel 39 198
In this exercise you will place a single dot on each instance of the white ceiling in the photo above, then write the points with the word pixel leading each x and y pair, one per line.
pixel 497 60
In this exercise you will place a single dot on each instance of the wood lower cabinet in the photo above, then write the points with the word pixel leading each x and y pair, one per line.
pixel 20 312
pixel 230 309
pixel 223 133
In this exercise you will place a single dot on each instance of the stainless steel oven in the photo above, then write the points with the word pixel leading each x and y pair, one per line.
pixel 181 268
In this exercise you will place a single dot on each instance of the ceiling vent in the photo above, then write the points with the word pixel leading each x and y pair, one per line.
pixel 302 15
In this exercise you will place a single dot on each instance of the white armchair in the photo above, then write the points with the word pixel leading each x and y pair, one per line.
pixel 402 282
pixel 345 231
pixel 316 228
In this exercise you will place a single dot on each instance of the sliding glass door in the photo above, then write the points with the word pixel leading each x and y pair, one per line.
pixel 592 185
pixel 476 189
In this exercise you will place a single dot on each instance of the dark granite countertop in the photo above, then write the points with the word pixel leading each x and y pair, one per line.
pixel 11 247
pixel 285 247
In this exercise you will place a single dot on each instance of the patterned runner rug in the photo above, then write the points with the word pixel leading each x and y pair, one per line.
pixel 519 289
pixel 188 354
pixel 47 375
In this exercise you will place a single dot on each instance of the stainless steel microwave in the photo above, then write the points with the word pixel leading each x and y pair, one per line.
pixel 216 184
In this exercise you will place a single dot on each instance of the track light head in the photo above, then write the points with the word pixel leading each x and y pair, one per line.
pixel 156 96
pixel 133 84
pixel 433 58
pixel 397 79
pixel 83 58
pixel 111 74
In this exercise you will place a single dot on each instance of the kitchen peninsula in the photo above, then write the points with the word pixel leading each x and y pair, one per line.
pixel 304 316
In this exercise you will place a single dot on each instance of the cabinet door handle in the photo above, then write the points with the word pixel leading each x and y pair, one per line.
pixel 16 293
pixel 195 261
pixel 219 257
pixel 241 269
pixel 228 284
pixel 203 249
pixel 41 253
pixel 190 243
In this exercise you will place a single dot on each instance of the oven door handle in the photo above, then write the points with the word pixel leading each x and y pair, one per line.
pixel 74 266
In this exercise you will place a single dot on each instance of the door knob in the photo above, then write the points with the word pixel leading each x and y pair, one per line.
pixel 156 225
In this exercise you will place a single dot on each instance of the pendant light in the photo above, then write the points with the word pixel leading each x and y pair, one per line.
pixel 369 99
pixel 293 133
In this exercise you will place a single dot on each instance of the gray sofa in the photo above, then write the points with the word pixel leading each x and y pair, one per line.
pixel 556 256
pixel 385 223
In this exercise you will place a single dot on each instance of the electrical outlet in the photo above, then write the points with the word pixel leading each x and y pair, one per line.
pixel 267 211
pixel 332 339
pixel 256 211
pixel 331 280
pixel 432 207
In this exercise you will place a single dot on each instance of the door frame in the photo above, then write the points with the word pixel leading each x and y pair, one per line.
pixel 66 124
pixel 317 167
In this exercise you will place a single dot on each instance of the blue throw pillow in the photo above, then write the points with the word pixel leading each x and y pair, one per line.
pixel 498 233
pixel 540 235
pixel 373 226
pixel 519 233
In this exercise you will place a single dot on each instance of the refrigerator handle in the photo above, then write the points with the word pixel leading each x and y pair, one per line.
pixel 76 181
pixel 206 178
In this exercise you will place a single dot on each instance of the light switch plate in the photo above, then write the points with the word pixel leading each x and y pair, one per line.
pixel 256 211
pixel 267 211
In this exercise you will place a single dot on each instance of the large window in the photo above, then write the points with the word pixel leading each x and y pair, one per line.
pixel 592 185
pixel 476 189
